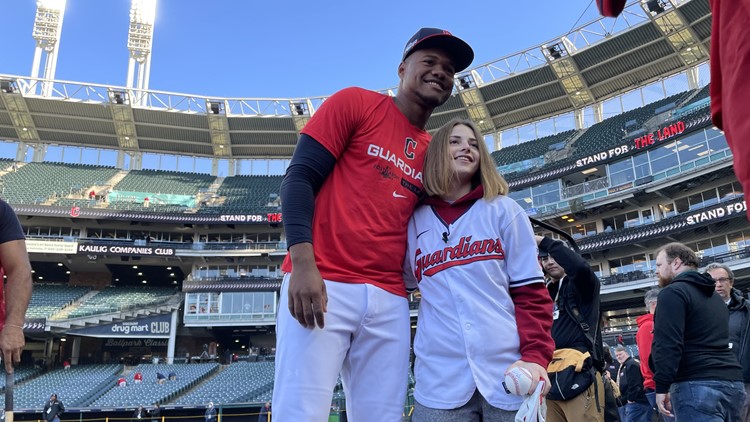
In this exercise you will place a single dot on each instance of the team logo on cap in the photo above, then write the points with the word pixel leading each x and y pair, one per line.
pixel 410 45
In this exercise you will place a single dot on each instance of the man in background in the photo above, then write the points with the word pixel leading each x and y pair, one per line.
pixel 574 288
pixel 697 376
pixel 53 409
pixel 635 405
pixel 739 324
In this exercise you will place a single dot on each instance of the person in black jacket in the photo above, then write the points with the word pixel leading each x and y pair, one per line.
pixel 739 324
pixel 573 284
pixel 630 380
pixel 139 414
pixel 155 413
pixel 696 374
pixel 210 414
pixel 53 409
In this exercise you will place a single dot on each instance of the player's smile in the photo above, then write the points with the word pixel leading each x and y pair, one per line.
pixel 436 84
pixel 428 75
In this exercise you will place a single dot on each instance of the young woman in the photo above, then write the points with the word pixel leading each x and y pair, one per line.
pixel 484 307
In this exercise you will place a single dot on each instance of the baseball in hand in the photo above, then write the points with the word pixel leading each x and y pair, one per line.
pixel 518 381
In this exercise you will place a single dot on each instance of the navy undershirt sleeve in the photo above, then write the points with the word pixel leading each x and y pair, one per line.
pixel 310 165
pixel 10 228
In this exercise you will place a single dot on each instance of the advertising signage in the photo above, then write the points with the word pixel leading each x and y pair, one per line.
pixel 121 343
pixel 271 217
pixel 90 249
pixel 157 326
pixel 720 211
pixel 662 134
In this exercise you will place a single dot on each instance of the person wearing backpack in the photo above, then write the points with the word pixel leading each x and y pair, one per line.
pixel 575 371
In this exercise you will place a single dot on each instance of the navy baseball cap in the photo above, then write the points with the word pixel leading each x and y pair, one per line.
pixel 460 52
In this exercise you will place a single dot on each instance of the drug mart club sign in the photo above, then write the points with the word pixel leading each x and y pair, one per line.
pixel 662 134
pixel 157 326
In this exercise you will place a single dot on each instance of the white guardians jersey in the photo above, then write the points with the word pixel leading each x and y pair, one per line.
pixel 467 335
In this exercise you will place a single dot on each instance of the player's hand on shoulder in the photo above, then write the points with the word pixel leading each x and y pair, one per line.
pixel 538 373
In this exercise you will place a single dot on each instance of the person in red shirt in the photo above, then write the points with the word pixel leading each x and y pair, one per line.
pixel 349 191
pixel 138 377
pixel 730 65
pixel 643 338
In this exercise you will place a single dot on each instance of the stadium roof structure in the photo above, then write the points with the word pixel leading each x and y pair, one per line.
pixel 651 40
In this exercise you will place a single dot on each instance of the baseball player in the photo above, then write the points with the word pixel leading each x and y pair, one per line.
pixel 484 307
pixel 343 307
pixel 14 298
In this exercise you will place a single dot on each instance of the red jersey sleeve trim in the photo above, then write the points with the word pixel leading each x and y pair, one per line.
pixel 534 320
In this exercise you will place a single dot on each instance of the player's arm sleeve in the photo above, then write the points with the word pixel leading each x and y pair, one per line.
pixel 10 228
pixel 576 268
pixel 531 300
pixel 669 330
pixel 310 165
pixel 15 261
pixel 534 321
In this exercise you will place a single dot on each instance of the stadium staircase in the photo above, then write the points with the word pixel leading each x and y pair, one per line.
pixel 64 312
pixel 66 319
pixel 199 384
pixel 210 195
pixel 49 299
pixel 701 92
pixel 9 168
pixel 149 392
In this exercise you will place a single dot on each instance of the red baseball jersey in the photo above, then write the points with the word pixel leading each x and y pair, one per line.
pixel 363 207
pixel 730 88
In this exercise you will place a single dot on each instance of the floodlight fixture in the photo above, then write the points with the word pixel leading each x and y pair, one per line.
pixel 140 41
pixel 554 51
pixel 118 97
pixel 143 11
pixel 655 6
pixel 8 86
pixel 48 23
pixel 300 109
pixel 466 82
pixel 51 4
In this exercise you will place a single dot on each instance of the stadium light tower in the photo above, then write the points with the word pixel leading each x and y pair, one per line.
pixel 47 27
pixel 140 40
